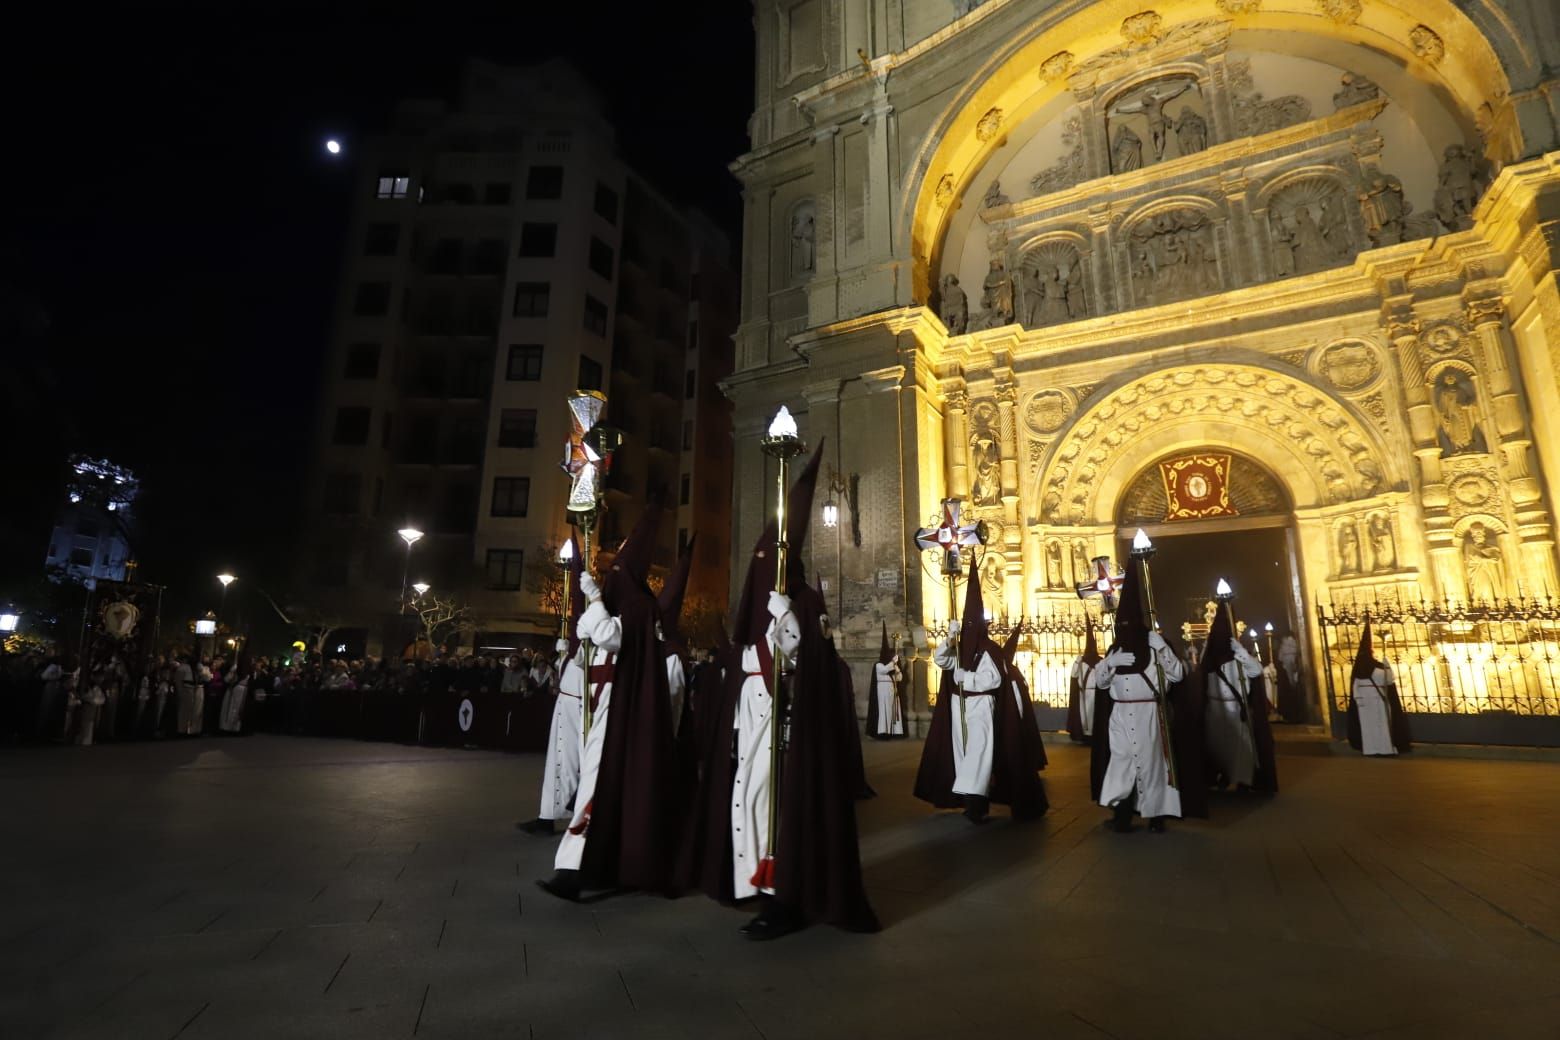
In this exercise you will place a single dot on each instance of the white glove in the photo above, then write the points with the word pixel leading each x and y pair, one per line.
pixel 779 605
pixel 953 628
pixel 589 587
pixel 1241 653
pixel 1119 659
pixel 1156 641
pixel 561 646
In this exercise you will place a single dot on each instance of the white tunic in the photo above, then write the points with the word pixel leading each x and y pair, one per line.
pixel 561 768
pixel 1137 752
pixel 605 634
pixel 1375 716
pixel 1229 737
pixel 191 704
pixel 974 738
pixel 1083 675
pixel 885 687
pixel 677 683
pixel 750 839
pixel 232 716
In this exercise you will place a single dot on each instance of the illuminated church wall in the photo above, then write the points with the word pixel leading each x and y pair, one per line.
pixel 1316 232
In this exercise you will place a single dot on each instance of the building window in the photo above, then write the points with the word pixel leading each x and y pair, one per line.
pixel 690 385
pixel 693 335
pixel 595 315
pixel 601 258
pixel 531 299
pixel 590 373
pixel 496 194
pixel 504 567
pixel 342 491
pixel 372 299
pixel 511 496
pixel 687 435
pixel 362 361
pixel 606 204
pixel 392 186
pixel 685 492
pixel 544 182
pixel 517 428
pixel 461 194
pixel 525 362
pixel 351 426
pixel 381 239
pixel 538 239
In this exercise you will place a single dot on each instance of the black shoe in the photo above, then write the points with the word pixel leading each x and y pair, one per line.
pixel 565 884
pixel 540 825
pixel 976 808
pixel 1157 825
pixel 773 922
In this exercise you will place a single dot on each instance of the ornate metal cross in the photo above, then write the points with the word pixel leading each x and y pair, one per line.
pixel 587 454
pixel 1105 585
pixel 949 535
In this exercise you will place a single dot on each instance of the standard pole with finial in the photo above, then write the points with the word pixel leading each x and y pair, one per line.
pixel 1142 551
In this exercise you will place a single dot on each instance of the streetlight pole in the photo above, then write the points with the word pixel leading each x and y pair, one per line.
pixel 226 579
pixel 410 536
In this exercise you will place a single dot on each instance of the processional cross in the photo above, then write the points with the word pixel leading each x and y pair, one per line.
pixel 949 535
pixel 1104 584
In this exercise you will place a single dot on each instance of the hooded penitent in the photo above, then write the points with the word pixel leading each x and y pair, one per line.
pixel 874 725
pixel 1029 725
pixel 1016 754
pixel 1184 698
pixel 817 861
pixel 1090 657
pixel 630 842
pixel 1365 666
pixel 1217 653
pixel 670 601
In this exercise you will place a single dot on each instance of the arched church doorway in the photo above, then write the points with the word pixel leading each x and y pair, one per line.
pixel 1218 514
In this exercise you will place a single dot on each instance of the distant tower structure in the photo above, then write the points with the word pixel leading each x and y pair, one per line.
pixel 93 536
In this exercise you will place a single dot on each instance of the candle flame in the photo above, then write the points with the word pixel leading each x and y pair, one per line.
pixel 567 552
pixel 783 425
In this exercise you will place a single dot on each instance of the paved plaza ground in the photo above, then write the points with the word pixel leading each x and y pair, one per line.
pixel 281 887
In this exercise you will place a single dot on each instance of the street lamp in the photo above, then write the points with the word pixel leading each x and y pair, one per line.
pixel 420 588
pixel 410 536
pixel 226 579
pixel 8 622
pixel 1268 629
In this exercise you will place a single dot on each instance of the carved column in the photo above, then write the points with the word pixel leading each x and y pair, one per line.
pixel 1248 265
pixel 956 440
pixel 880 192
pixel 1007 402
pixel 822 288
pixel 1102 277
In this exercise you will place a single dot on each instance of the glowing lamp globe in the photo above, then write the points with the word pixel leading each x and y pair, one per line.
pixel 8 622
pixel 226 579
pixel 421 587
pixel 333 146
pixel 831 514
pixel 1140 541
pixel 566 553
pixel 783 424
pixel 409 535
pixel 1223 590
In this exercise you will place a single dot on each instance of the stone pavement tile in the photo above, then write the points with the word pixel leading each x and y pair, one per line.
pixel 1517 1020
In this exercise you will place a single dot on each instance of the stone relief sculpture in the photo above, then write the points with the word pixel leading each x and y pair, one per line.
pixel 1050 286
pixel 994 197
pixel 955 305
pixel 1069 169
pixel 1484 564
pixel 1080 555
pixel 1126 151
pixel 804 258
pixel 1173 257
pixel 1310 228
pixel 1149 102
pixel 1385 210
pixel 1191 131
pixel 996 298
pixel 1457 414
pixel 985 456
pixel 1255 114
pixel 1458 187
pixel 1355 90
pixel 1383 550
pixel 1348 549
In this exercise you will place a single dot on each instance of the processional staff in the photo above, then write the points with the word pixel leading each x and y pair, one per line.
pixel 587 459
pixel 1142 551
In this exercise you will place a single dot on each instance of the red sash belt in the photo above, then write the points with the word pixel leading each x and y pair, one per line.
pixel 981 693
pixel 600 675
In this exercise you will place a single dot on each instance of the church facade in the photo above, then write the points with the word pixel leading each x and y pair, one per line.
pixel 1279 270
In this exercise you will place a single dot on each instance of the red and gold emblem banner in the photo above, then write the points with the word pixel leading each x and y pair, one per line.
pixel 1198 487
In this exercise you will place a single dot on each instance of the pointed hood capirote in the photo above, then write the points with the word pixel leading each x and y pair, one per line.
pixel 885 652
pixel 752 615
pixel 1132 619
pixel 670 602
pixel 1091 646
pixel 1010 644
pixel 1365 662
pixel 1217 652
pixel 972 626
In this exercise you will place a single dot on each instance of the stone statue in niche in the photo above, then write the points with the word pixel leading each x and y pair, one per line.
pixel 1283 245
pixel 985 456
pixel 955 305
pixel 1383 549
pixel 1356 89
pixel 804 258
pixel 1335 224
pixel 1348 549
pixel 1053 565
pixel 1051 286
pixel 996 297
pixel 1126 151
pixel 1457 188
pixel 1457 414
pixel 1484 564
pixel 1385 210
pixel 1173 257
pixel 994 196
pixel 1191 131
pixel 1080 555
pixel 1149 102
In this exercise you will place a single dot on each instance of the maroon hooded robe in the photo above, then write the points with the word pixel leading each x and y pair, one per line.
pixel 1091 657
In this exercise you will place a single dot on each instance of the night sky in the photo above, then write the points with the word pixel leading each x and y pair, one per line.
pixel 174 231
